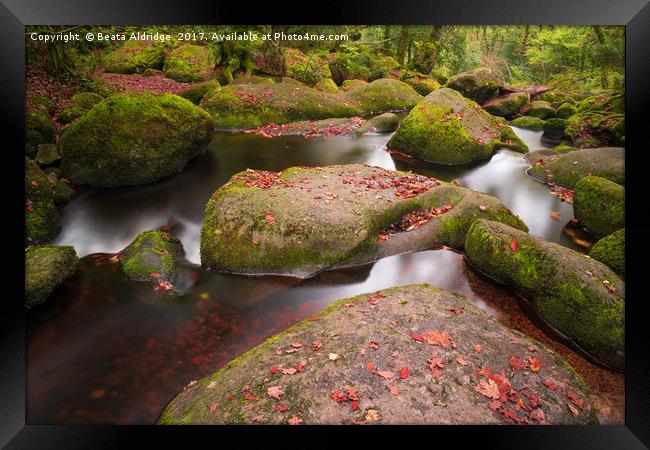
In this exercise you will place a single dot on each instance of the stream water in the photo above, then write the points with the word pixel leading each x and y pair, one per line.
pixel 107 350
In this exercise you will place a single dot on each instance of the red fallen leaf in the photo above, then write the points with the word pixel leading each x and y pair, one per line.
pixel 275 392
pixel 494 405
pixel 269 218
pixel 317 345
pixel 295 420
pixel 374 300
pixel 370 366
pixel 154 275
pixel 301 365
pixel 354 405
pixel 197 360
pixel 274 370
pixel 488 388
pixel 455 310
pixel 572 409
pixel 611 288
pixel 348 305
pixel 549 384
pixel 393 323
pixel 461 361
pixel 555 215
pixel 404 373
pixel 255 241
pixel 314 319
pixel 296 345
pixel 417 337
pixel 437 338
pixel 353 394
pixel 574 398
pixel 338 397
pixel 249 396
pixel 537 414
pixel 229 397
pixel 213 407
pixel 385 373
pixel 394 390
pixel 289 371
pixel 477 348
pixel 374 345
pixel 534 400
pixel 164 228
pixel 513 245
pixel 517 363
pixel 535 364
pixel 281 407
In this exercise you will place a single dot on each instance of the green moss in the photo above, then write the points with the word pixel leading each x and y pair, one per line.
pixel 39 128
pixel 599 205
pixel 70 113
pixel 189 63
pixel 86 100
pixel 44 102
pixel 134 138
pixel 308 69
pixel 152 251
pixel 532 123
pixel 63 193
pixel 385 95
pixel 422 84
pixel 507 105
pixel 566 110
pixel 610 250
pixel 361 63
pixel 47 154
pixel 563 148
pixel 554 129
pixel 196 93
pixel 42 221
pixel 596 128
pixel 326 85
pixel 439 76
pixel 383 123
pixel 349 85
pixel 539 108
pixel 134 56
pixel 479 85
pixel 46 267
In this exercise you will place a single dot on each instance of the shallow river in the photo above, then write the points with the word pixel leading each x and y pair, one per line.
pixel 106 350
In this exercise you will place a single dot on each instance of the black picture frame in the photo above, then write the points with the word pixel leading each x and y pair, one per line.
pixel 634 14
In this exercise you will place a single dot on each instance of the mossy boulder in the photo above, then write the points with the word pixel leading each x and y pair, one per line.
pixel 304 220
pixel 361 364
pixel 540 108
pixel 39 128
pixel 554 129
pixel 196 92
pixel 578 296
pixel 439 76
pixel 152 256
pixel 326 85
pixel 253 105
pixel 361 63
pixel 189 63
pixel 610 251
pixel 349 85
pixel 567 169
pixel 308 69
pixel 422 84
pixel 447 128
pixel 478 85
pixel 46 267
pixel 81 103
pixel 42 222
pixel 507 105
pixel 529 122
pixel 135 56
pixel 565 110
pixel 134 138
pixel 599 205
pixel 382 123
pixel 47 154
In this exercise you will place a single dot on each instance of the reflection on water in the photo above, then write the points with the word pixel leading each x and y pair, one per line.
pixel 107 350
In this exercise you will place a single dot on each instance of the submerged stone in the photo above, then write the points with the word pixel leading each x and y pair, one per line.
pixel 152 256
pixel 46 267
pixel 409 359
pixel 447 128
pixel 578 296
pixel 304 220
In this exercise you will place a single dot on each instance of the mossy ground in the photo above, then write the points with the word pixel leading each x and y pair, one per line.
pixel 599 205
pixel 45 268
pixel 568 290
pixel 134 138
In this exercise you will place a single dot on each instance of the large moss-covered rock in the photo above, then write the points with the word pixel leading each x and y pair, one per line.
pixel 565 110
pixel 135 56
pixel 479 85
pixel 610 251
pixel 507 105
pixel 349 85
pixel 580 297
pixel 600 121
pixel 134 138
pixel 361 63
pixel 382 123
pixel 540 108
pixel 407 360
pixel 326 85
pixel 305 220
pixel 439 76
pixel 253 105
pixel 309 69
pixel 153 255
pixel 42 222
pixel 422 84
pixel 196 92
pixel 599 205
pixel 447 128
pixel 81 103
pixel 46 267
pixel 530 122
pixel 566 169
pixel 188 63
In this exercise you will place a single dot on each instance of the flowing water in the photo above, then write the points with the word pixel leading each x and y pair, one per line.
pixel 107 350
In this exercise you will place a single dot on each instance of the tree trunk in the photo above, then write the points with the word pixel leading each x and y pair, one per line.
pixel 387 39
pixel 426 56
pixel 402 45
pixel 524 44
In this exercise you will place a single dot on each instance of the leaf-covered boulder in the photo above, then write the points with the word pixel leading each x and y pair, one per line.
pixel 189 63
pixel 42 222
pixel 447 128
pixel 507 105
pixel 134 56
pixel 578 296
pixel 530 122
pixel 304 220
pixel 610 251
pixel 541 109
pixel 414 355
pixel 46 267
pixel 153 255
pixel 382 123
pixel 134 138
pixel 566 169
pixel 478 85
pixel 599 205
